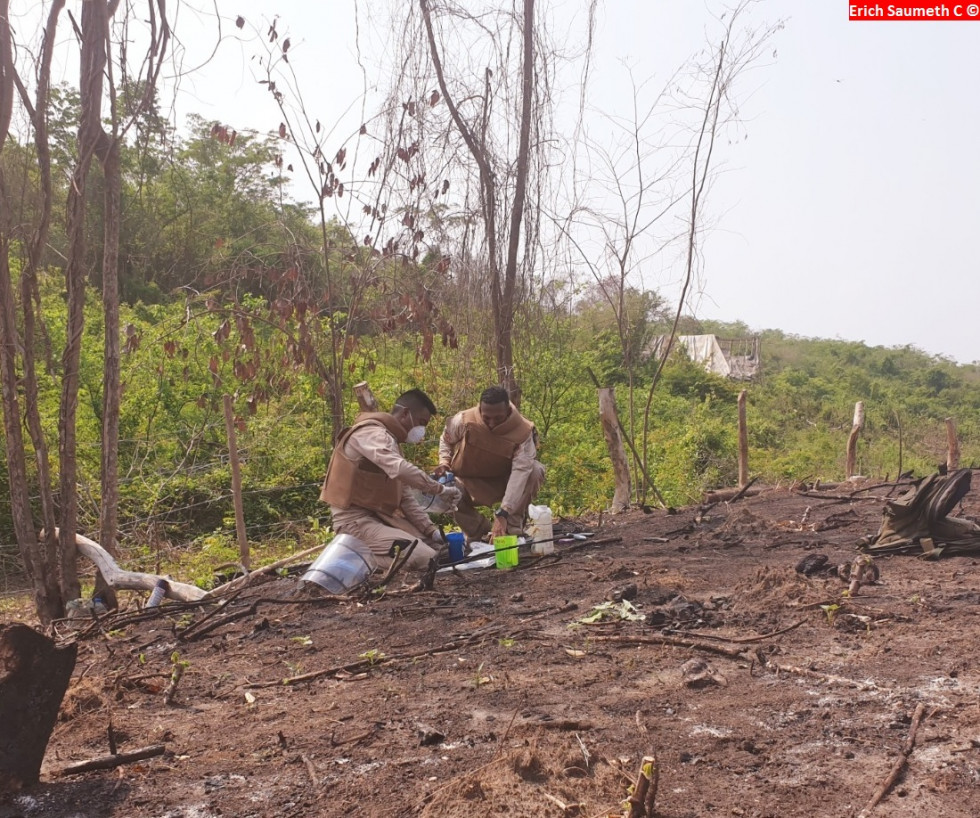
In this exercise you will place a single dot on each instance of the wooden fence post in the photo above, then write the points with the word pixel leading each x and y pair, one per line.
pixel 365 397
pixel 952 446
pixel 856 426
pixel 236 483
pixel 901 443
pixel 617 452
pixel 743 442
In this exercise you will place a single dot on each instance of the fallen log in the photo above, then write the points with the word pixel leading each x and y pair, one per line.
pixel 822 678
pixel 116 577
pixel 743 490
pixel 114 760
pixel 731 653
pixel 723 495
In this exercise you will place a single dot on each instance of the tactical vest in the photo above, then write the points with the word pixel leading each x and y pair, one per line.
pixel 359 482
pixel 489 453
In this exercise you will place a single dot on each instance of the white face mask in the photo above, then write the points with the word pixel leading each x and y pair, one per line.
pixel 417 433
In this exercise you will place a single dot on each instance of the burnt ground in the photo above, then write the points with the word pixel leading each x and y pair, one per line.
pixel 484 697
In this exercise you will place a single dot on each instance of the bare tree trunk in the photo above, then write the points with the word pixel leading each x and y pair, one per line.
pixel 236 482
pixel 852 439
pixel 111 388
pixel 743 442
pixel 54 559
pixel 617 452
pixel 46 597
pixel 6 72
pixel 335 377
pixel 50 605
pixel 107 148
pixel 503 285
pixel 488 183
pixel 95 22
pixel 504 317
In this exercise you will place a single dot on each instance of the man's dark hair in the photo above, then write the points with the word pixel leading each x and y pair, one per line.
pixel 493 395
pixel 416 399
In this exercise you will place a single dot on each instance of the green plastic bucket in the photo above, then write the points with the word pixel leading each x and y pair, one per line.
pixel 505 550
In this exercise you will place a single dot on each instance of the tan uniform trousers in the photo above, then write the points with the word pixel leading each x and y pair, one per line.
pixel 480 491
pixel 379 532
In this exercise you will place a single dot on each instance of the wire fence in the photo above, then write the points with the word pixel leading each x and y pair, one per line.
pixel 133 529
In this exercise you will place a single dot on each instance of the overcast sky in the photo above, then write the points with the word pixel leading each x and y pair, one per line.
pixel 846 209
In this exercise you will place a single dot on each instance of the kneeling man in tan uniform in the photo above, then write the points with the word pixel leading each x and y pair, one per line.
pixel 491 449
pixel 367 478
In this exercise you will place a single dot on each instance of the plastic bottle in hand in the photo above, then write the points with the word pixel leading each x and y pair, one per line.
pixel 435 503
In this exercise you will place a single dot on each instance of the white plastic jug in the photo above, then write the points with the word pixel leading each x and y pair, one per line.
pixel 540 529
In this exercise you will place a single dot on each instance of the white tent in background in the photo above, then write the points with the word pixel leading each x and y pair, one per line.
pixel 735 358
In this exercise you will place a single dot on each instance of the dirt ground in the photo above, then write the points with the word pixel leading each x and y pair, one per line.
pixel 538 691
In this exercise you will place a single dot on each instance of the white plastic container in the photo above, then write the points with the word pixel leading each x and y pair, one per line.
pixel 344 564
pixel 431 503
pixel 540 528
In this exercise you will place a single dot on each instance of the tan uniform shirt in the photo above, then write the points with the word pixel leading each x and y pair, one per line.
pixel 520 471
pixel 377 445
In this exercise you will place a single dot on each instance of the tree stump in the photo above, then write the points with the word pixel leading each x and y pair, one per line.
pixel 34 676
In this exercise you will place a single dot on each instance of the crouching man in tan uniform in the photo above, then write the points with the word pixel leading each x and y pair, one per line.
pixel 491 449
pixel 367 478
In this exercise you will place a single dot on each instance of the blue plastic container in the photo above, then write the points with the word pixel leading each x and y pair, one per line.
pixel 456 541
